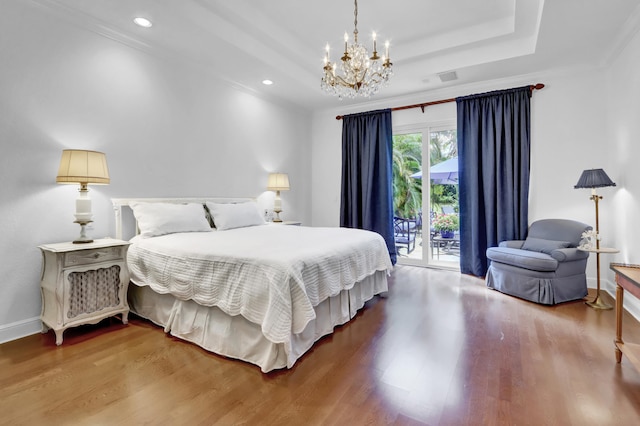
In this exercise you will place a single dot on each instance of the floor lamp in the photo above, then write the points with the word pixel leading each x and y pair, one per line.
pixel 596 178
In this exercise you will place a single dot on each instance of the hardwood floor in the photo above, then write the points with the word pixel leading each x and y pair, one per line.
pixel 442 349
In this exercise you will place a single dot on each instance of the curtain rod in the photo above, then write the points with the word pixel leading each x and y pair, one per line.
pixel 532 87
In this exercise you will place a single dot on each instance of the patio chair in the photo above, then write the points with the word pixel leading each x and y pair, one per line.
pixel 405 233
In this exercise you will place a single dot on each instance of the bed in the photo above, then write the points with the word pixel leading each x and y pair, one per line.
pixel 212 272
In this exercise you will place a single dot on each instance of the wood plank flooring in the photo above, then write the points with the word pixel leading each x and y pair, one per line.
pixel 442 349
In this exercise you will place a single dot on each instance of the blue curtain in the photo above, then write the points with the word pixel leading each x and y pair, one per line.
pixel 493 158
pixel 367 195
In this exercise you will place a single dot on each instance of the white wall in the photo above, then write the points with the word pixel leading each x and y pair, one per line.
pixel 622 204
pixel 168 129
pixel 622 135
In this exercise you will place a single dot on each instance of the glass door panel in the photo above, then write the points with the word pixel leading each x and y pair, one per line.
pixel 426 201
pixel 408 197
pixel 443 197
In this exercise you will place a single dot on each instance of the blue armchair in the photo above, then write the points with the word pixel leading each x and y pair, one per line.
pixel 545 268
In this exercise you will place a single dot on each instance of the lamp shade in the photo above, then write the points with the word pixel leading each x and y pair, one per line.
pixel 278 182
pixel 83 167
pixel 594 178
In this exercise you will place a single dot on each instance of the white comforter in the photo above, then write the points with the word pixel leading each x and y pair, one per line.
pixel 273 275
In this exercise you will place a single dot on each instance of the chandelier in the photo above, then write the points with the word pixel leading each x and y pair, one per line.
pixel 360 74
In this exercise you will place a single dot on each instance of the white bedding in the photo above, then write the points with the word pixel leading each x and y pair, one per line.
pixel 272 275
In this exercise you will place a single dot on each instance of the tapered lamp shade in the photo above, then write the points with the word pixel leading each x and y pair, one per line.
pixel 84 168
pixel 278 182
pixel 594 178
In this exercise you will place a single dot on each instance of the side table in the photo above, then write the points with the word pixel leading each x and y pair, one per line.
pixel 597 303
pixel 83 284
pixel 627 278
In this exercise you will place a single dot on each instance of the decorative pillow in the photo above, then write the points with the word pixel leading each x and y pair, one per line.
pixel 235 215
pixel 543 246
pixel 165 218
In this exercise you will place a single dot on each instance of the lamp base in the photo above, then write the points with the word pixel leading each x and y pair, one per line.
pixel 277 217
pixel 597 303
pixel 82 239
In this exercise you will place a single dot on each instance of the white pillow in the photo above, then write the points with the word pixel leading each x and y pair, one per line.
pixel 165 218
pixel 235 215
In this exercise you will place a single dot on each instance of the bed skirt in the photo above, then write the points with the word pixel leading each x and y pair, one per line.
pixel 236 337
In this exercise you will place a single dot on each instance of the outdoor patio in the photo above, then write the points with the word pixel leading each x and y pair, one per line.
pixel 443 251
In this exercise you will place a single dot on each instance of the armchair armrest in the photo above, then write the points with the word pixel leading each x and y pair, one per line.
pixel 569 254
pixel 511 244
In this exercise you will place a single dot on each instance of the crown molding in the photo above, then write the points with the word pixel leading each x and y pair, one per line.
pixel 627 32
pixel 90 23
pixel 86 22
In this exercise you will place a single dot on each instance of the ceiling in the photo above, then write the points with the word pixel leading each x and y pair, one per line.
pixel 247 41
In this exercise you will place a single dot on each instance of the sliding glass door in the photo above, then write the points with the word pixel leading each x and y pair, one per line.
pixel 425 185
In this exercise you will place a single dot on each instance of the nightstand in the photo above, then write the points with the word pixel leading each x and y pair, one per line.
pixel 287 222
pixel 83 284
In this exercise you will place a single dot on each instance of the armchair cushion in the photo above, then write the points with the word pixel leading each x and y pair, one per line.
pixel 511 243
pixel 543 246
pixel 533 260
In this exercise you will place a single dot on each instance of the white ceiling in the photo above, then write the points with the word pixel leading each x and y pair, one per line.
pixel 246 41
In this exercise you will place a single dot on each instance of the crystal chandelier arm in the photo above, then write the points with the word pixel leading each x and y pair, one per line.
pixel 341 81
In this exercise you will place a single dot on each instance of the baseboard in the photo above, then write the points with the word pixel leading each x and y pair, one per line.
pixel 20 329
pixel 631 303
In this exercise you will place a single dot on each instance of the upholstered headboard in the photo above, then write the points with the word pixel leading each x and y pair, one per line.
pixel 119 203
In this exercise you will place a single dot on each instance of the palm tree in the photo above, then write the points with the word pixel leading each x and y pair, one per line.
pixel 407 191
pixel 443 146
pixel 407 160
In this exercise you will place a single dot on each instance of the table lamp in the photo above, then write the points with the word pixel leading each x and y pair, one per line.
pixel 596 178
pixel 278 182
pixel 84 168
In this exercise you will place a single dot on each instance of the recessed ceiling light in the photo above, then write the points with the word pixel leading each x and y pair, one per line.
pixel 143 22
pixel 267 82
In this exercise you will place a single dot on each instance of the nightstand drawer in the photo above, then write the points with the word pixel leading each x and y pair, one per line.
pixel 88 257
